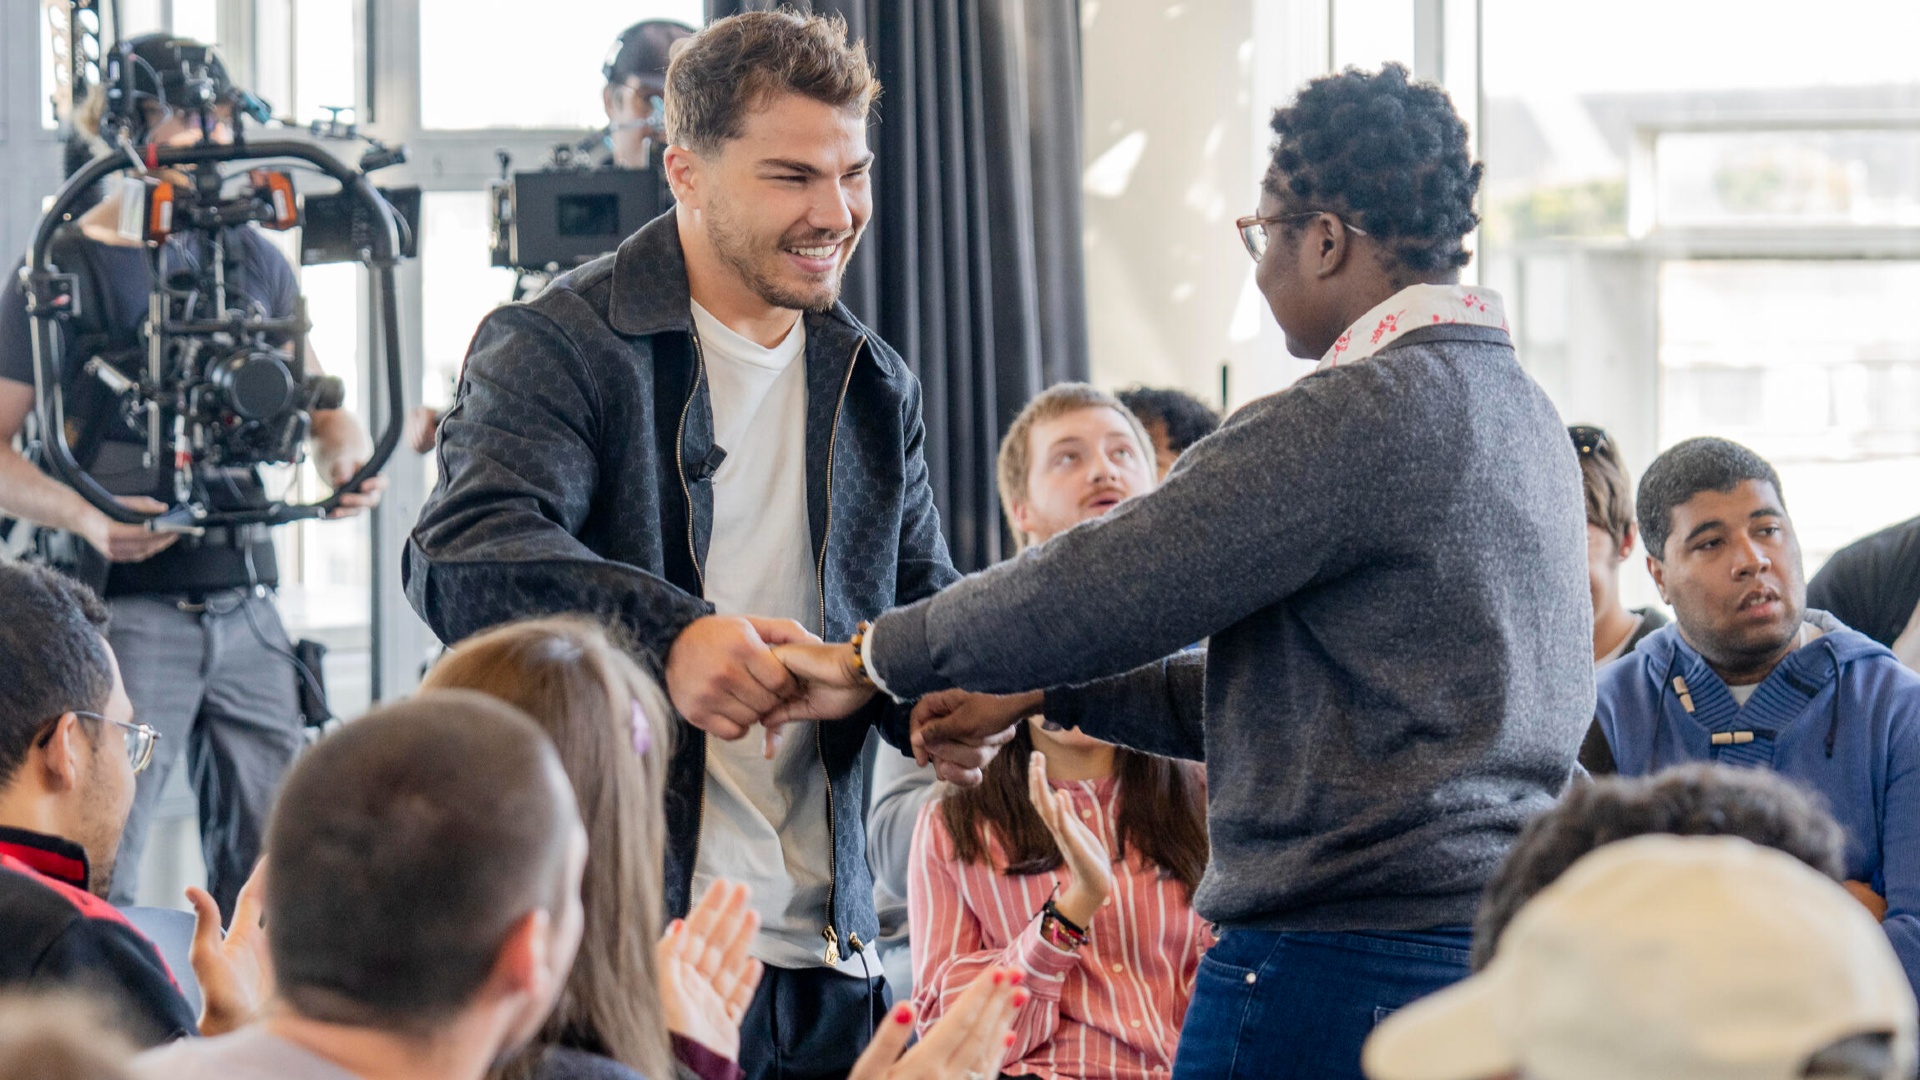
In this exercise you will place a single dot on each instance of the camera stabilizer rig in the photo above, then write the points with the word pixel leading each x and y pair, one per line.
pixel 211 389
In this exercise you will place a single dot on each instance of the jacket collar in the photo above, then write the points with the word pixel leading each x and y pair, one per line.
pixel 62 860
pixel 650 293
pixel 1808 668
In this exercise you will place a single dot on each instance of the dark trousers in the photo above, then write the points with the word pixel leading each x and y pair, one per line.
pixel 202 676
pixel 809 1023
pixel 1281 1006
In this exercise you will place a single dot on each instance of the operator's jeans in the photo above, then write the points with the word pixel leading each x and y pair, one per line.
pixel 215 680
pixel 1279 1005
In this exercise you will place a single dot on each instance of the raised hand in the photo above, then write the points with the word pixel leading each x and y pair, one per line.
pixel 706 977
pixel 959 732
pixel 966 1043
pixel 722 674
pixel 1089 867
pixel 234 968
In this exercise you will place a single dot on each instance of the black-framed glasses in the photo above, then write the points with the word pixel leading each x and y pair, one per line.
pixel 140 738
pixel 1589 440
pixel 1253 229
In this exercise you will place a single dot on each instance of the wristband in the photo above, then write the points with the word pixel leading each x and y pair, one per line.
pixel 1059 931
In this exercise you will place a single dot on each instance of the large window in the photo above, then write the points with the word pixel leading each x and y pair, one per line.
pixel 1813 363
pixel 459 287
pixel 506 63
pixel 1707 219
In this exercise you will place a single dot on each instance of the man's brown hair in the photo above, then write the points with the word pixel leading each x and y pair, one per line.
pixel 404 848
pixel 1604 476
pixel 1016 455
pixel 735 65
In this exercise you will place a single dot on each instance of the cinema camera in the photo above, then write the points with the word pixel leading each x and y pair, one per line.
pixel 213 383
pixel 572 211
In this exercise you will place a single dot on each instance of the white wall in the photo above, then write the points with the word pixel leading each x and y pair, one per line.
pixel 1177 99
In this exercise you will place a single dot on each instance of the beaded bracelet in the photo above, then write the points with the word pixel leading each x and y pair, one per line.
pixel 859 656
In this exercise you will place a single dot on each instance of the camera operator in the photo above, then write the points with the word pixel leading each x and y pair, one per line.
pixel 636 74
pixel 206 659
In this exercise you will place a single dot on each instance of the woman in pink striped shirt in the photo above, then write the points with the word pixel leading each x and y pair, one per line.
pixel 1017 872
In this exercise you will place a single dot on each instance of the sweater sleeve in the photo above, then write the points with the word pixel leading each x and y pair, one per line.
pixel 499 537
pixel 1249 516
pixel 949 953
pixel 1157 707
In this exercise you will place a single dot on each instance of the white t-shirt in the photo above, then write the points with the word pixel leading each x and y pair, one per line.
pixel 765 822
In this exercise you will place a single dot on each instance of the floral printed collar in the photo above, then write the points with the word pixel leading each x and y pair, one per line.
pixel 1411 308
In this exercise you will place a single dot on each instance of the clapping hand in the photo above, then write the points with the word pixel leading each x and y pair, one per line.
pixel 706 977
pixel 966 1043
pixel 1089 867
pixel 234 967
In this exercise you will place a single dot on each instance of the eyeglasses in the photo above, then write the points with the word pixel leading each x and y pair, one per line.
pixel 140 738
pixel 1253 230
pixel 1588 439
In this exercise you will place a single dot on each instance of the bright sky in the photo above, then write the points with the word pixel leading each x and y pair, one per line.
pixel 1579 46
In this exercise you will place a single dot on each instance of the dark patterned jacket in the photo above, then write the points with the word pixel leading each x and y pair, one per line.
pixel 56 934
pixel 575 469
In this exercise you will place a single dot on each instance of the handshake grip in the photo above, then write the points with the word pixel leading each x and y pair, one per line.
pixel 727 674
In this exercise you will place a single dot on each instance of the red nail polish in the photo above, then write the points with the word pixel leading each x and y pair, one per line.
pixel 1016 977
pixel 1009 1040
pixel 1019 998
pixel 903 1015
pixel 999 977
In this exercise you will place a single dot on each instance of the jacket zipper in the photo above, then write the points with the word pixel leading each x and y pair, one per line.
pixel 819 744
pixel 693 552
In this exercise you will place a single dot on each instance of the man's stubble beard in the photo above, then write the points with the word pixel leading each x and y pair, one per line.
pixel 104 830
pixel 736 250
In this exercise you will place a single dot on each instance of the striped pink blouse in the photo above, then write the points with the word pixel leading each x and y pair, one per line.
pixel 1111 1009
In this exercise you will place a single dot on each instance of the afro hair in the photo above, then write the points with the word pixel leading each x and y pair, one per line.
pixel 1386 153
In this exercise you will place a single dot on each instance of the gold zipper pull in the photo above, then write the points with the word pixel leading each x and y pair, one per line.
pixel 833 946
pixel 853 942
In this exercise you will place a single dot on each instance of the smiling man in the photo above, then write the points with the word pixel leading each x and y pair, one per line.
pixel 1747 675
pixel 693 438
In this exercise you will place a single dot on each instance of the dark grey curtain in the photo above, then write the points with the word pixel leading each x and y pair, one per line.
pixel 972 265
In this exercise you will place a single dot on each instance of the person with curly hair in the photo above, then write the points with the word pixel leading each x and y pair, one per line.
pixel 1174 419
pixel 1388 560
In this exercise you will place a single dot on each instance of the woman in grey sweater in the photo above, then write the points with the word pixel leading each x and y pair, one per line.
pixel 1388 559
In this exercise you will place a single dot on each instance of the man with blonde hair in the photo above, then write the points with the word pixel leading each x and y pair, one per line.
pixel 1074 453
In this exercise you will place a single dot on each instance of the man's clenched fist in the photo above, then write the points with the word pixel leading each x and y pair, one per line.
pixel 722 674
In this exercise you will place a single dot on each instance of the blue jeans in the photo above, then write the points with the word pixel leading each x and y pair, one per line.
pixel 1279 1005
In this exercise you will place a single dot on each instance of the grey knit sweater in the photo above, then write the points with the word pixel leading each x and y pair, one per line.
pixel 1389 559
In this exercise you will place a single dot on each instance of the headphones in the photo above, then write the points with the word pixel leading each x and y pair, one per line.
pixel 177 74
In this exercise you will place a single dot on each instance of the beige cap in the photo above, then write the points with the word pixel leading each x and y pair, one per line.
pixel 1690 958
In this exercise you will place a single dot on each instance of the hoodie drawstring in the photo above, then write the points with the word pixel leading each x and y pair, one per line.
pixel 1833 724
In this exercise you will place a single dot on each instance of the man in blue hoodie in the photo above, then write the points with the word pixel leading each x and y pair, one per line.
pixel 1748 675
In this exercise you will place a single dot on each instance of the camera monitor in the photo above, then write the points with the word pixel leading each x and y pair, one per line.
pixel 564 218
pixel 338 227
